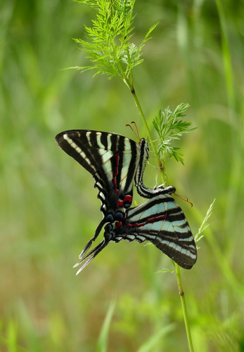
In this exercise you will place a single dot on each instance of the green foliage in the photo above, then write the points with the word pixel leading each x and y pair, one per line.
pixel 11 338
pixel 204 224
pixel 110 52
pixel 109 48
pixel 170 127
pixel 154 340
pixel 103 338
pixel 49 208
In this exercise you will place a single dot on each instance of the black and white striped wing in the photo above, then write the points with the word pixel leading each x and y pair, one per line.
pixel 110 158
pixel 161 221
pixel 114 161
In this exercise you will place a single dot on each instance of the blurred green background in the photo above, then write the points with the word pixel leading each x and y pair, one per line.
pixel 49 208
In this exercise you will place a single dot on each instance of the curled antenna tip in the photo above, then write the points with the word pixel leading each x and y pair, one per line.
pixel 137 132
pixel 185 199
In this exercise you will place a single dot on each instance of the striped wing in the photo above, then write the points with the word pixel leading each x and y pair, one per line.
pixel 161 221
pixel 114 161
pixel 110 158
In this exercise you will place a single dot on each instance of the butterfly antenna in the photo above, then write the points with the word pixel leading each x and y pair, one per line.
pixel 136 129
pixel 184 198
pixel 135 133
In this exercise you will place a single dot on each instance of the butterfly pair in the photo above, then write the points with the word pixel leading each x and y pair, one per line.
pixel 115 162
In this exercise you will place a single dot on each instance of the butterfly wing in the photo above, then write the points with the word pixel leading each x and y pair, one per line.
pixel 110 158
pixel 161 221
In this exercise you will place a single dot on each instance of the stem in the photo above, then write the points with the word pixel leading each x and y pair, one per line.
pixel 129 84
pixel 181 292
pixel 183 304
pixel 133 92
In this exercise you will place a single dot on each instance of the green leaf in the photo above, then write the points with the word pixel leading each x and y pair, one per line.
pixel 204 225
pixel 170 127
pixel 103 337
pixel 108 45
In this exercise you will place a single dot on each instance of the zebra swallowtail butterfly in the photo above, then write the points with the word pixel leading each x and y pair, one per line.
pixel 159 220
pixel 114 162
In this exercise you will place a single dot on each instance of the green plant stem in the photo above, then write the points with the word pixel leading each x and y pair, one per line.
pixel 183 304
pixel 129 84
pixel 134 95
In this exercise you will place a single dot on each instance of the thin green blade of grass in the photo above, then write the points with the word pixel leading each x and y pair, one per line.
pixel 151 343
pixel 11 339
pixel 204 224
pixel 103 337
